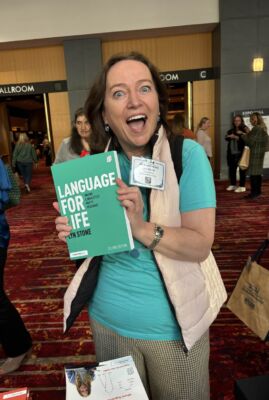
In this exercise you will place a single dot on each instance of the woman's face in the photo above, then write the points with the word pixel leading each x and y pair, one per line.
pixel 131 105
pixel 253 120
pixel 83 126
pixel 83 390
pixel 237 121
pixel 206 124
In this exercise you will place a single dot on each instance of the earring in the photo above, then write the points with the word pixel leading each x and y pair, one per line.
pixel 158 119
pixel 107 128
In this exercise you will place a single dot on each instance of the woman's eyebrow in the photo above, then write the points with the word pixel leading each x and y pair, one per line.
pixel 122 84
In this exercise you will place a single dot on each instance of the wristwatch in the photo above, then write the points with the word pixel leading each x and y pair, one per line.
pixel 158 234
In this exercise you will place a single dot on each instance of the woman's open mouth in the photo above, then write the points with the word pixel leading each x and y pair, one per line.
pixel 137 122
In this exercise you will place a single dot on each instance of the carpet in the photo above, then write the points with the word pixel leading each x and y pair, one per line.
pixel 38 271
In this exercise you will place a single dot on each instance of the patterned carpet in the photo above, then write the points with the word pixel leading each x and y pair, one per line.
pixel 38 271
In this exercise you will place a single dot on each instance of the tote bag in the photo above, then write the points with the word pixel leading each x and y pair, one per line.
pixel 244 160
pixel 249 300
pixel 14 193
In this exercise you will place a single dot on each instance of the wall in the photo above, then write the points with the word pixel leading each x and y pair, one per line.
pixel 244 35
pixel 76 63
pixel 83 60
pixel 39 64
pixel 4 142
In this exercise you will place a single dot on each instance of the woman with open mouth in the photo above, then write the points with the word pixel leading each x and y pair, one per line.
pixel 154 302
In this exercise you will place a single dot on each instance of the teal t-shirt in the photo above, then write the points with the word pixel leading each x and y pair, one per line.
pixel 130 297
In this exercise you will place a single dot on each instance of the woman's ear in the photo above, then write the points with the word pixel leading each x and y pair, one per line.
pixel 104 117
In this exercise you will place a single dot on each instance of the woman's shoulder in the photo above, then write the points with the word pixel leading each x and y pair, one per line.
pixel 191 147
pixel 66 141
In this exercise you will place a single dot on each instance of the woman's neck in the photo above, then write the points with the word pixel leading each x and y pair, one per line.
pixel 137 152
pixel 85 144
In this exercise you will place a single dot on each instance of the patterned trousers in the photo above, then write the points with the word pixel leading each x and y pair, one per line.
pixel 165 370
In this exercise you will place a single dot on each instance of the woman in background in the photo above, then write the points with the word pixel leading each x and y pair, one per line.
pixel 203 136
pixel 24 156
pixel 14 337
pixel 77 144
pixel 179 126
pixel 234 152
pixel 257 140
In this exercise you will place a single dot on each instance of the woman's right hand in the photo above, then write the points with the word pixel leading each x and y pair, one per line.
pixel 61 224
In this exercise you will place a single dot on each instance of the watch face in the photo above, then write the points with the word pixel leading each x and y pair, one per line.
pixel 159 231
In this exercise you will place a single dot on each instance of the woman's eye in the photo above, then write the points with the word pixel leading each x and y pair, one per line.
pixel 145 89
pixel 118 93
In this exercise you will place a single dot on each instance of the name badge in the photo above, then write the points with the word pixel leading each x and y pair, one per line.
pixel 147 173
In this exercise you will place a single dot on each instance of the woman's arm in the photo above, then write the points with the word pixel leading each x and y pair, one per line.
pixel 63 152
pixel 191 242
pixel 200 137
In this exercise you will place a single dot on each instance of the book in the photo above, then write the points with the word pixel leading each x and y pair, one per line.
pixel 17 394
pixel 86 190
pixel 110 380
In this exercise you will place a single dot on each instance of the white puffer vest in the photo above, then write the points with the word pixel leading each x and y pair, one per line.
pixel 196 290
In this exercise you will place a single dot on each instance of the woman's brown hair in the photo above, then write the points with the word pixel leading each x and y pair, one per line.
pixel 95 102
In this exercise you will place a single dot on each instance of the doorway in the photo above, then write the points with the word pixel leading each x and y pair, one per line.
pixel 180 101
pixel 26 114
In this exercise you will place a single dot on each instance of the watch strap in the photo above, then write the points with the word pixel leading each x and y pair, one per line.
pixel 158 234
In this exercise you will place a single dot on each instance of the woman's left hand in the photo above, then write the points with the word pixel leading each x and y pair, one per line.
pixel 131 198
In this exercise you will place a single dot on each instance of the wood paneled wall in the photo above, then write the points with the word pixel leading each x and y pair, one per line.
pixel 204 106
pixel 40 64
pixel 60 117
pixel 168 53
pixel 37 64
pixel 4 132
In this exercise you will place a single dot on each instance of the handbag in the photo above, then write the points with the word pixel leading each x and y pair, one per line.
pixel 244 160
pixel 14 193
pixel 249 300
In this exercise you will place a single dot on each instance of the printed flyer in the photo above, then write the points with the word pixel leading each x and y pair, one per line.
pixel 110 380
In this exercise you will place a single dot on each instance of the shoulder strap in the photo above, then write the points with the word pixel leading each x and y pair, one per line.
pixel 176 145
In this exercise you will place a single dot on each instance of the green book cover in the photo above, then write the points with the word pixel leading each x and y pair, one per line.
pixel 86 191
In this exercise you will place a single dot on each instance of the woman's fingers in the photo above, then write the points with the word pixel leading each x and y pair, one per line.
pixel 56 206
pixel 61 224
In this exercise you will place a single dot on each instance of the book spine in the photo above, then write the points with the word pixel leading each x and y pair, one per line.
pixel 130 236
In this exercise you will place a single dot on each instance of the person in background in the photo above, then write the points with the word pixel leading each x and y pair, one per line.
pixel 127 106
pixel 257 140
pixel 234 152
pixel 46 145
pixel 14 337
pixel 77 144
pixel 179 126
pixel 203 136
pixel 23 157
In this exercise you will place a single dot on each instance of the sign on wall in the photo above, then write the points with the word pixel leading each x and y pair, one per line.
pixel 22 89
pixel 265 115
pixel 191 75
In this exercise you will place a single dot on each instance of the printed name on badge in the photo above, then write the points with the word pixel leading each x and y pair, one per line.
pixel 147 173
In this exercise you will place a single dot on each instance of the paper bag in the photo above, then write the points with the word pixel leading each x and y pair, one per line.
pixel 249 300
pixel 244 160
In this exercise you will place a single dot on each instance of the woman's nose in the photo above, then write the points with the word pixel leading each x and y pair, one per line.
pixel 133 99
